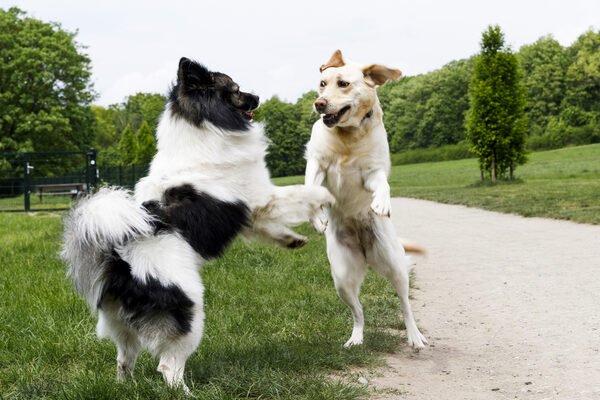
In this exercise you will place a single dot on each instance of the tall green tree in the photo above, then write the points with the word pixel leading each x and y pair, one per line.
pixel 45 86
pixel 146 145
pixel 128 146
pixel 495 121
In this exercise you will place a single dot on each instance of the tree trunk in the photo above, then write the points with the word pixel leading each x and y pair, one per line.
pixel 512 176
pixel 493 166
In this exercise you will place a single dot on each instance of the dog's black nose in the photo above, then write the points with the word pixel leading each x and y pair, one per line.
pixel 320 104
pixel 255 102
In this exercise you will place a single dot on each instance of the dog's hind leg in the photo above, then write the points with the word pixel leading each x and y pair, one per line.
pixel 172 366
pixel 387 257
pixel 348 268
pixel 127 353
pixel 174 352
pixel 128 344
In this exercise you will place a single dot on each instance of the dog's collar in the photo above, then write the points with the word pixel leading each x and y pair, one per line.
pixel 368 115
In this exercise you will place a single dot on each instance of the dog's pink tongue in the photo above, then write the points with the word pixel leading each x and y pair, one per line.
pixel 249 113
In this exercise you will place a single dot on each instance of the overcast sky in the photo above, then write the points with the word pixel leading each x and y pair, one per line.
pixel 275 47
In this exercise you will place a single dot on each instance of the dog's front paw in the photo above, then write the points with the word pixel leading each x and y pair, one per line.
pixel 319 224
pixel 416 339
pixel 323 197
pixel 381 205
pixel 293 240
pixel 319 221
pixel 297 242
pixel 356 338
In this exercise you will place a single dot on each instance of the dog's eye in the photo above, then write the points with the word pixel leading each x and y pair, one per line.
pixel 343 83
pixel 323 84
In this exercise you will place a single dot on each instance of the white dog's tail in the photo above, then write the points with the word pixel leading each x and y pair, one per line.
pixel 93 229
pixel 411 247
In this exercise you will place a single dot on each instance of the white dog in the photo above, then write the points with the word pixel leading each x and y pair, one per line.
pixel 136 259
pixel 348 153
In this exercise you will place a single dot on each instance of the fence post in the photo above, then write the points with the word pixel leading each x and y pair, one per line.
pixel 132 175
pixel 87 172
pixel 94 169
pixel 26 181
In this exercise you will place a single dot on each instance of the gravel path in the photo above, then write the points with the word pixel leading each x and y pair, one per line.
pixel 510 305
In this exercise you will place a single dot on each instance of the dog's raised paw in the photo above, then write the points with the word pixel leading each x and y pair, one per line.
pixel 381 205
pixel 296 243
pixel 319 221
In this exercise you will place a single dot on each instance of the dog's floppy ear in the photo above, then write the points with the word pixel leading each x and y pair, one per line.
pixel 192 75
pixel 377 75
pixel 335 61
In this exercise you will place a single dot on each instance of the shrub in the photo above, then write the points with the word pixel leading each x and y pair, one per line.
pixel 444 153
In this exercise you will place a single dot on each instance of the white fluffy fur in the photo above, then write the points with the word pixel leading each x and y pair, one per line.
pixel 99 222
pixel 352 160
pixel 227 165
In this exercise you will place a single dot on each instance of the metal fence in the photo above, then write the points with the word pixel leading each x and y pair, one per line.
pixel 122 175
pixel 45 181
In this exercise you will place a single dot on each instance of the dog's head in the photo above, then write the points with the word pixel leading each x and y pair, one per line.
pixel 201 95
pixel 347 90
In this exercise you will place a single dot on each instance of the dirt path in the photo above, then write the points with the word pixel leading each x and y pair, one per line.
pixel 510 305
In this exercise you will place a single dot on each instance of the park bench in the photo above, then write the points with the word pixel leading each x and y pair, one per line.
pixel 56 189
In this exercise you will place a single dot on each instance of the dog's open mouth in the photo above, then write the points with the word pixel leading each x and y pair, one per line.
pixel 247 114
pixel 332 119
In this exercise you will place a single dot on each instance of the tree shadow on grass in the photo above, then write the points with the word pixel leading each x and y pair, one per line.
pixel 497 182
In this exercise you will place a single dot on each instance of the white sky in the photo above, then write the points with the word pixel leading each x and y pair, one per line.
pixel 273 47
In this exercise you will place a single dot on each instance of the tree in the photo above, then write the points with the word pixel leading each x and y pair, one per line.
pixel 583 78
pixel 282 127
pixel 136 109
pixel 427 110
pixel 128 146
pixel 146 145
pixel 147 107
pixel 495 121
pixel 106 133
pixel 543 66
pixel 45 88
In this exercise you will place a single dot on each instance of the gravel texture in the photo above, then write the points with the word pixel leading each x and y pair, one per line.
pixel 510 306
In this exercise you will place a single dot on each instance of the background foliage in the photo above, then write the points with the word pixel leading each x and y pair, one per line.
pixel 495 119
pixel 427 112
pixel 45 87
pixel 46 96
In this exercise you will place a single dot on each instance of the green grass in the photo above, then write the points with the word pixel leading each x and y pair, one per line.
pixel 274 327
pixel 563 184
pixel 47 202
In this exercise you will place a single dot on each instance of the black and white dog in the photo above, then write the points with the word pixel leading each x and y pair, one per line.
pixel 136 258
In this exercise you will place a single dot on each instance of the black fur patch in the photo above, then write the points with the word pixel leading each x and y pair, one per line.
pixel 207 224
pixel 143 301
pixel 201 95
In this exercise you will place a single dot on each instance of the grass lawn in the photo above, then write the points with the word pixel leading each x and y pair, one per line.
pixel 274 327
pixel 562 184
pixel 55 202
